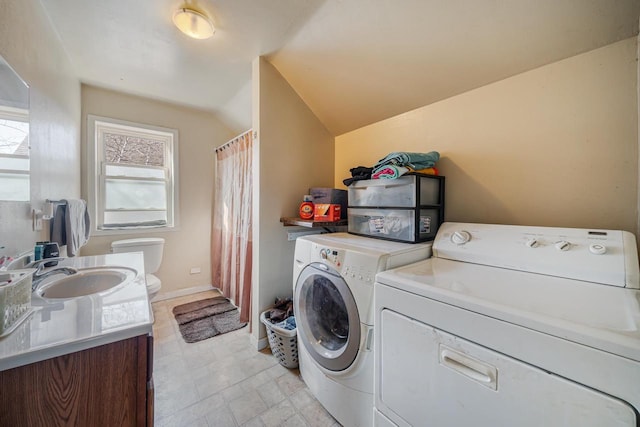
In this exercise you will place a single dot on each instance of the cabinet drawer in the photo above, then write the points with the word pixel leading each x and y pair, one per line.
pixel 408 191
pixel 405 225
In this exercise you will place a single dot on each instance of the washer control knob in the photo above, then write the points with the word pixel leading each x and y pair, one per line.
pixel 597 249
pixel 563 245
pixel 460 237
pixel 324 253
pixel 532 243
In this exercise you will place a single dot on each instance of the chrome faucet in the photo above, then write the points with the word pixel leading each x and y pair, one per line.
pixel 40 274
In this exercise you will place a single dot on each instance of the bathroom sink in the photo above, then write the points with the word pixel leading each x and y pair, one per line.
pixel 86 281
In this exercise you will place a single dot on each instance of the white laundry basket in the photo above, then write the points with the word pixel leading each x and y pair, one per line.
pixel 283 342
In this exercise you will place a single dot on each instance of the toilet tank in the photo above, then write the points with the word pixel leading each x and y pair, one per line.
pixel 152 248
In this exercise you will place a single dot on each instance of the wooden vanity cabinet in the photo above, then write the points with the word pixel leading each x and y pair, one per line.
pixel 109 385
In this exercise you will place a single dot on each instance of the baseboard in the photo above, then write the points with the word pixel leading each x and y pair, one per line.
pixel 183 292
pixel 259 344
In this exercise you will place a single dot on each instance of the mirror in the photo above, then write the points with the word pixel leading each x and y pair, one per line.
pixel 14 135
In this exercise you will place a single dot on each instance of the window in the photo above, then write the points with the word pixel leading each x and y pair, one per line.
pixel 14 154
pixel 133 177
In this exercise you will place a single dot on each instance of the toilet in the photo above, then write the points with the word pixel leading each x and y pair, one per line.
pixel 152 248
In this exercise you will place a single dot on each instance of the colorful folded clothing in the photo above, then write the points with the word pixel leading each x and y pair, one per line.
pixel 413 160
pixel 389 172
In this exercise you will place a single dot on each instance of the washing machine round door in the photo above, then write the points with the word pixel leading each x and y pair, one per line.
pixel 326 317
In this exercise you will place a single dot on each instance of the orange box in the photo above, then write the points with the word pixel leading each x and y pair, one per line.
pixel 326 212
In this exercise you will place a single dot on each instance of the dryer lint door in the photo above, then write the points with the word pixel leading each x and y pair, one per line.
pixel 327 317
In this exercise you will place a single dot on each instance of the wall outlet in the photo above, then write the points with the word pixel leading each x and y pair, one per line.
pixel 195 270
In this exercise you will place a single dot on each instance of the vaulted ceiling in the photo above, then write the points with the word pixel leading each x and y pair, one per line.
pixel 354 62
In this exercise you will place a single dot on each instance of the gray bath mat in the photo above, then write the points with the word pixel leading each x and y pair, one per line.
pixel 207 318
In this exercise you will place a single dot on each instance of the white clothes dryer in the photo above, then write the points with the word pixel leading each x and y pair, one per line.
pixel 333 278
pixel 511 326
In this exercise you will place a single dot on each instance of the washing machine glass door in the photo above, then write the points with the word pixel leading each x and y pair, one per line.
pixel 327 317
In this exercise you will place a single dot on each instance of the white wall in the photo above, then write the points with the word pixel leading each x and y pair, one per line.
pixel 555 146
pixel 293 152
pixel 236 113
pixel 200 133
pixel 31 46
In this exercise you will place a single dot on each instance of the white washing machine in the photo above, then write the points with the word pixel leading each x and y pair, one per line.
pixel 333 278
pixel 511 326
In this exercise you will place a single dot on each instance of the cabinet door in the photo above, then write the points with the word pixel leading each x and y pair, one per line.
pixel 99 386
pixel 430 377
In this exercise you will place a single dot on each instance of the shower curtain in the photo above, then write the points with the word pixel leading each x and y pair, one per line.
pixel 231 236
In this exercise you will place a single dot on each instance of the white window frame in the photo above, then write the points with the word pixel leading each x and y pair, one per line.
pixel 96 125
pixel 17 115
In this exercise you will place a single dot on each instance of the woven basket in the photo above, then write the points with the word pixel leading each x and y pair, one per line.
pixel 15 298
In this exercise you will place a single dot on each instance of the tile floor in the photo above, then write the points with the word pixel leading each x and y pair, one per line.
pixel 224 381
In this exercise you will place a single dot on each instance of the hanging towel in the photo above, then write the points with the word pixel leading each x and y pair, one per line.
pixel 389 172
pixel 71 225
pixel 413 160
pixel 58 227
pixel 77 224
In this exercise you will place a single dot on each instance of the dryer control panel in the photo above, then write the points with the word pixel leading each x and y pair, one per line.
pixel 607 257
pixel 331 256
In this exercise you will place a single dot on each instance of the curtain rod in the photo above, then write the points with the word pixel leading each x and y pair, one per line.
pixel 234 139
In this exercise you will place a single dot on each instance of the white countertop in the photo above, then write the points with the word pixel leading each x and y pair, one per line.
pixel 63 326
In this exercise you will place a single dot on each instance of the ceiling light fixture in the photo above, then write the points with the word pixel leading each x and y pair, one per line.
pixel 193 23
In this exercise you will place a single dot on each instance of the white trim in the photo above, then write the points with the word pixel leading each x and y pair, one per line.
pixel 183 292
pixel 15 156
pixel 14 171
pixel 94 174
pixel 18 115
pixel 15 114
pixel 259 344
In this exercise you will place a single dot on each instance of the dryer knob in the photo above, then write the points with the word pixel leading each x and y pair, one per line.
pixel 563 245
pixel 532 243
pixel 597 249
pixel 460 237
